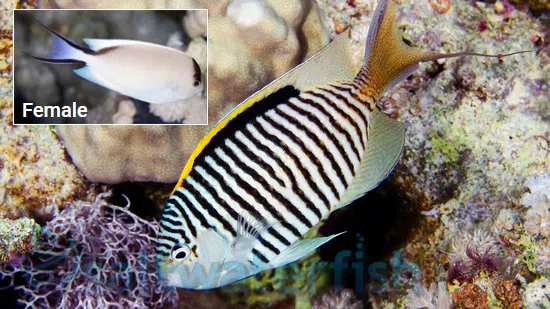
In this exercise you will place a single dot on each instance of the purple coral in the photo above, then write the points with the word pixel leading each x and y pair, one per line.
pixel 94 255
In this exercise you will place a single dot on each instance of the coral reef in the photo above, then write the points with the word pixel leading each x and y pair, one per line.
pixel 195 23
pixel 115 4
pixel 537 294
pixel 475 128
pixel 255 41
pixel 437 297
pixel 472 253
pixel 537 222
pixel 112 154
pixel 538 6
pixel 34 170
pixel 17 237
pixel 344 299
pixel 93 255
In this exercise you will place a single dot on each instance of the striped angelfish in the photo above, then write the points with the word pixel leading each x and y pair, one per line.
pixel 307 144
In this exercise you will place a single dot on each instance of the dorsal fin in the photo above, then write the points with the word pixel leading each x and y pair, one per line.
pixel 331 64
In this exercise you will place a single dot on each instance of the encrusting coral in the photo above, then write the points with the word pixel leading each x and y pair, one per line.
pixel 537 294
pixel 34 171
pixel 17 237
pixel 93 255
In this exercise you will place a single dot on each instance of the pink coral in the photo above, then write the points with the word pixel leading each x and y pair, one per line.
pixel 94 255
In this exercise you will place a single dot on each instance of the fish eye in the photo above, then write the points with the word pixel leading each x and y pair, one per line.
pixel 196 83
pixel 180 253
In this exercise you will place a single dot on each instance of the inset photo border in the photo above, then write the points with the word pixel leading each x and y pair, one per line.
pixel 110 67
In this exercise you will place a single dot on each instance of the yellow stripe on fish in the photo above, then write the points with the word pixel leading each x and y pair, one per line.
pixel 305 145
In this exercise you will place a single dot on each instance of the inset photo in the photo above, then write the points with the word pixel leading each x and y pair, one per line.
pixel 110 67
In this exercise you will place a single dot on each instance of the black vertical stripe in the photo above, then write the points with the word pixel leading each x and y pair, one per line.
pixel 184 214
pixel 212 212
pixel 258 160
pixel 169 238
pixel 356 148
pixel 275 140
pixel 281 199
pixel 170 212
pixel 256 195
pixel 353 108
pixel 260 256
pixel 208 187
pixel 170 220
pixel 320 144
pixel 343 114
pixel 241 120
pixel 237 198
pixel 193 210
pixel 310 155
pixel 310 117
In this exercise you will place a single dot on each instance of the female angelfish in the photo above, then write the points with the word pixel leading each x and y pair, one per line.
pixel 144 71
pixel 307 144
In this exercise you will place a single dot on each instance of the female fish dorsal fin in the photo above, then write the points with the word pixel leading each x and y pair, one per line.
pixel 383 150
pixel 331 64
pixel 388 60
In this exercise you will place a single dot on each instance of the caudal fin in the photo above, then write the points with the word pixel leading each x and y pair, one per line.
pixel 388 60
pixel 64 51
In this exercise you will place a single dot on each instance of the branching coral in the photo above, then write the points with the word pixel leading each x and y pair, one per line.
pixel 437 297
pixel 337 300
pixel 94 255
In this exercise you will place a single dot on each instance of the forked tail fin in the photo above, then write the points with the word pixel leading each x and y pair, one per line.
pixel 64 50
pixel 388 60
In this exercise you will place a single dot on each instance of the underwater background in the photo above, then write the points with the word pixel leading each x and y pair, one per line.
pixel 463 221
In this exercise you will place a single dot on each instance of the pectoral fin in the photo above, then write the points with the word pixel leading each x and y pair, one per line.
pixel 299 249
pixel 213 247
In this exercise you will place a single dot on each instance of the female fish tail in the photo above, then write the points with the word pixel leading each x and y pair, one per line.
pixel 65 51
